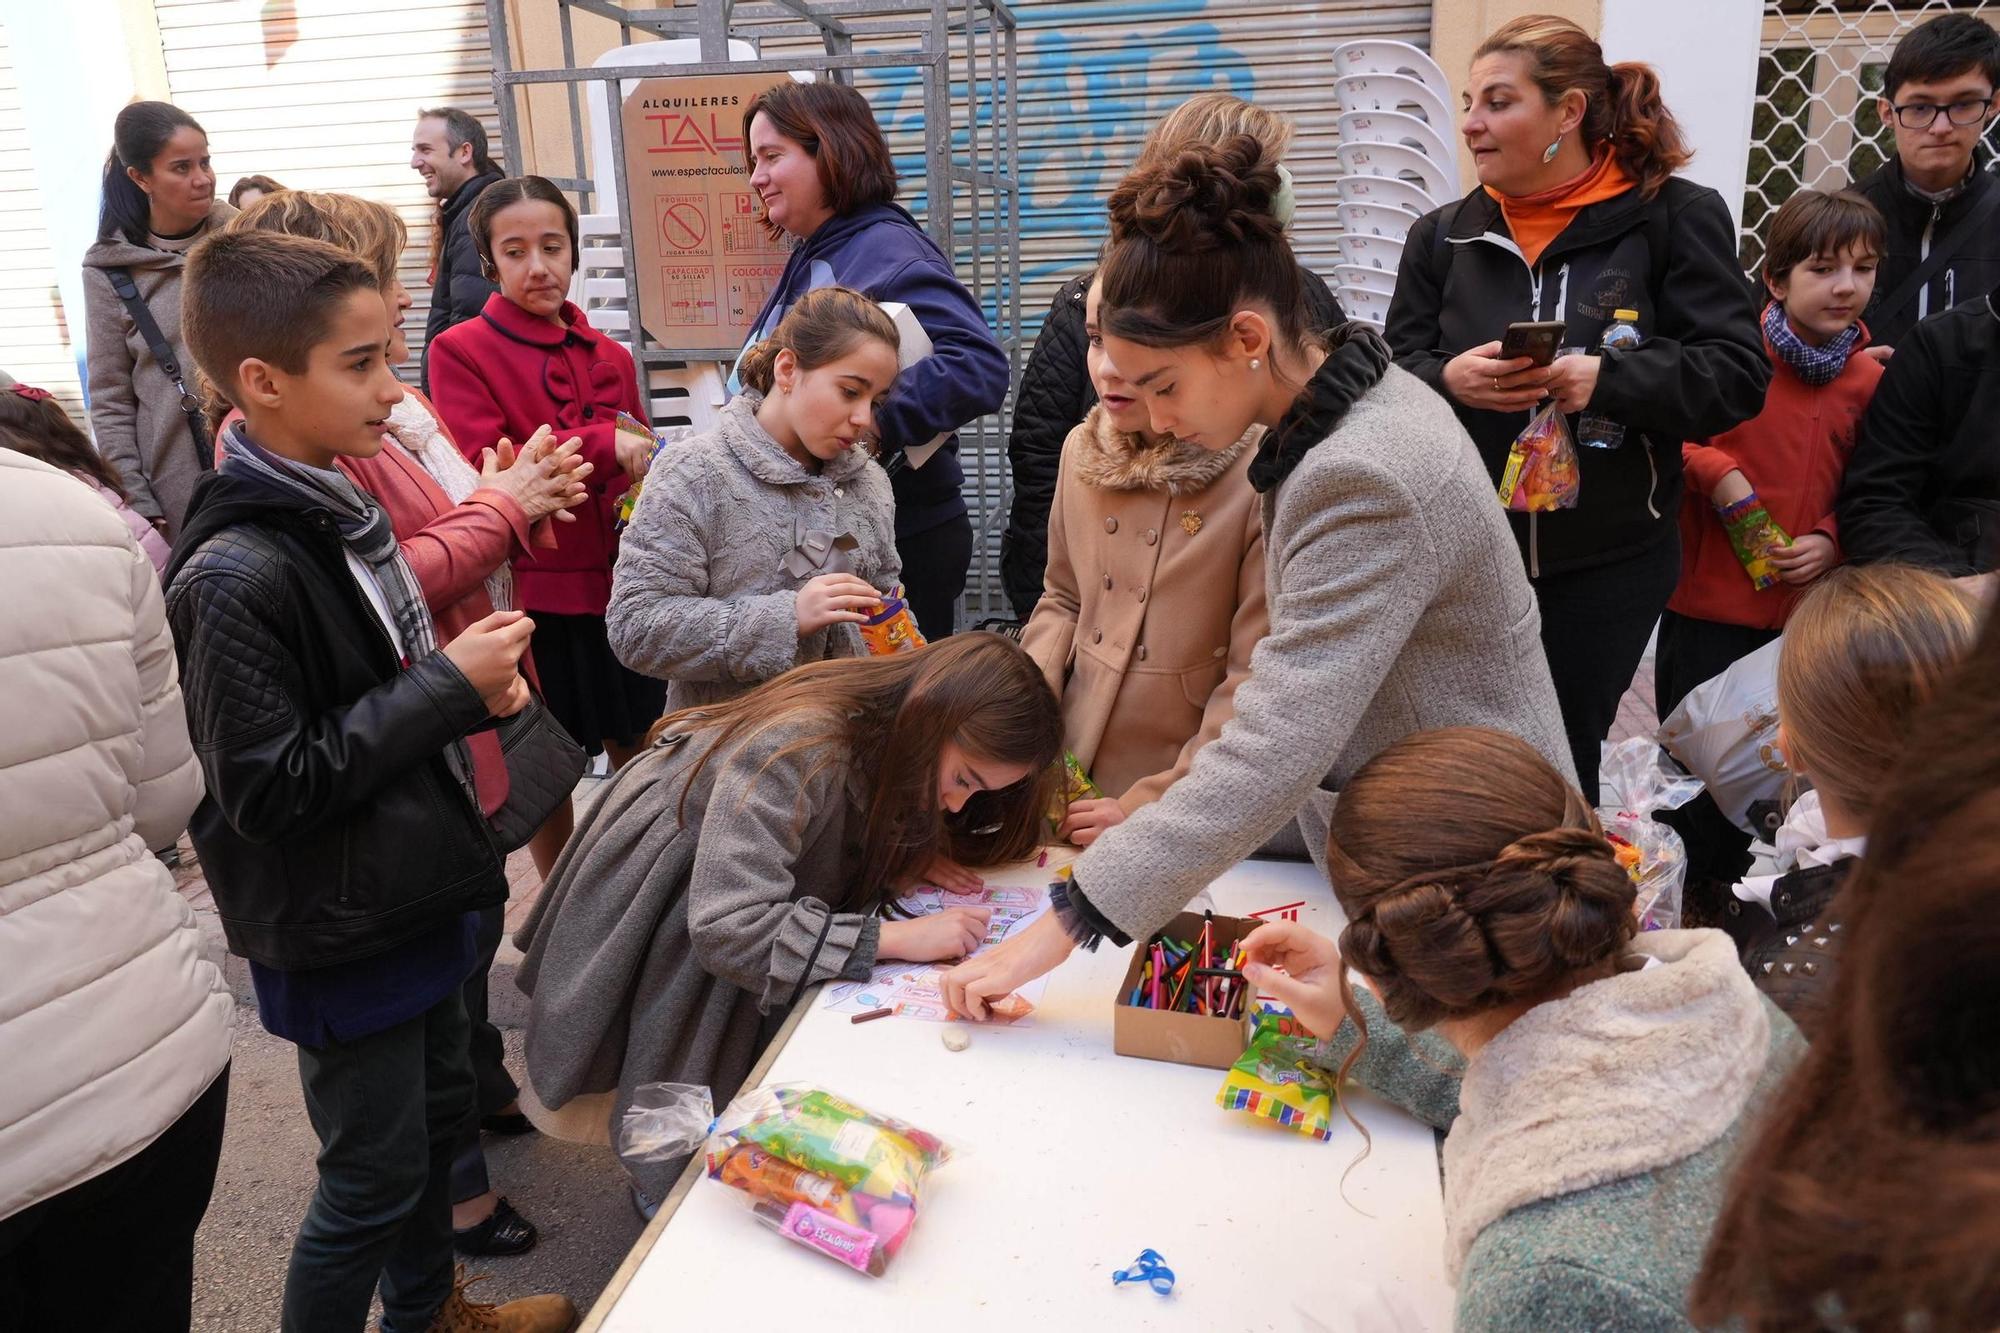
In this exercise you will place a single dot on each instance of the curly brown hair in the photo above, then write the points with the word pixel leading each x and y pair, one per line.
pixel 1473 875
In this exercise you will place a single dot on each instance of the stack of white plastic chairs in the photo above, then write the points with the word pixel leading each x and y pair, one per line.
pixel 1398 157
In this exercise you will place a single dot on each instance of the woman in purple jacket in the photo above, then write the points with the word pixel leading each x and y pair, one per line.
pixel 820 164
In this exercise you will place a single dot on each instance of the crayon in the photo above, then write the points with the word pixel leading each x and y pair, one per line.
pixel 871 1015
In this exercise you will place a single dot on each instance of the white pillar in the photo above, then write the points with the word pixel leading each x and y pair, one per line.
pixel 76 67
pixel 1706 52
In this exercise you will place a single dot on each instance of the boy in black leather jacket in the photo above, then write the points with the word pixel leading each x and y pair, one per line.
pixel 339 836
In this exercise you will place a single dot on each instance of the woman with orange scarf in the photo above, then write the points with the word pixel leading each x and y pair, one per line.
pixel 1579 215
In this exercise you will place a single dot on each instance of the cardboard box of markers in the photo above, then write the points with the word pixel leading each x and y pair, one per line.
pixel 1176 1013
pixel 1185 999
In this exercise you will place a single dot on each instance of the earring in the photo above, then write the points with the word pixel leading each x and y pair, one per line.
pixel 1255 364
pixel 1549 154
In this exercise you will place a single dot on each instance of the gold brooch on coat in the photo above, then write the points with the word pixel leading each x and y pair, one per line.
pixel 1190 522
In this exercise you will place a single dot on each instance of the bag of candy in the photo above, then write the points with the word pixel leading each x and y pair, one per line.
pixel 820 1170
pixel 1275 1077
pixel 1073 784
pixel 630 427
pixel 1541 472
pixel 1755 536
pixel 1637 772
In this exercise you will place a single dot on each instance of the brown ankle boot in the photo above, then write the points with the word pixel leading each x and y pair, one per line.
pixel 530 1314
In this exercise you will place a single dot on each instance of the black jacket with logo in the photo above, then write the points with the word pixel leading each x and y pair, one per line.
pixel 460 287
pixel 1700 369
pixel 333 827
pixel 1923 484
pixel 1915 227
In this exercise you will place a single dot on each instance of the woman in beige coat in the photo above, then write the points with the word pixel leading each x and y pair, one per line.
pixel 1153 596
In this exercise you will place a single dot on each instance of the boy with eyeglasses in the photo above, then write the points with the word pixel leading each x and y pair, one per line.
pixel 1942 206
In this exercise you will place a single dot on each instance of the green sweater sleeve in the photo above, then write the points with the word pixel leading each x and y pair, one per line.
pixel 1418 1072
pixel 1555 1294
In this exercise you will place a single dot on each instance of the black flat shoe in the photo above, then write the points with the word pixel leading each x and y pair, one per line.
pixel 505 1232
pixel 506 1123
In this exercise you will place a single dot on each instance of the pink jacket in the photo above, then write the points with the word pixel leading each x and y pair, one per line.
pixel 149 538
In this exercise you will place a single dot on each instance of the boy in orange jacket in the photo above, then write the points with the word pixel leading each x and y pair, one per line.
pixel 1757 518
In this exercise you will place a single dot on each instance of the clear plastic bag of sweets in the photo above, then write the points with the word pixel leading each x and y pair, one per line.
pixel 1638 773
pixel 1541 472
pixel 818 1169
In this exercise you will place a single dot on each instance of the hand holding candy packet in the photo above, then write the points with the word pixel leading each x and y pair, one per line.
pixel 818 1169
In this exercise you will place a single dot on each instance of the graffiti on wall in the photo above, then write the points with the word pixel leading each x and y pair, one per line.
pixel 1084 107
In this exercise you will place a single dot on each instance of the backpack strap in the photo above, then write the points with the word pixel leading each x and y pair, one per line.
pixel 1943 251
pixel 163 353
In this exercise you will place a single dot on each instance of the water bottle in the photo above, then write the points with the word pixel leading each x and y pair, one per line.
pixel 1596 431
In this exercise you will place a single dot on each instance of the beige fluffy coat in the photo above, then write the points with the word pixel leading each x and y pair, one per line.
pixel 1153 600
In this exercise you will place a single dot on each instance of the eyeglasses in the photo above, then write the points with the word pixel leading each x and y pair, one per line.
pixel 1920 115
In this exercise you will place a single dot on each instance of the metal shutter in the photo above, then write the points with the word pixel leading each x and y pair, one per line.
pixel 1096 77
pixel 323 95
pixel 35 346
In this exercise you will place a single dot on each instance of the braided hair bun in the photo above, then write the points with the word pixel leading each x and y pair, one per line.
pixel 1202 197
pixel 1193 241
pixel 1473 875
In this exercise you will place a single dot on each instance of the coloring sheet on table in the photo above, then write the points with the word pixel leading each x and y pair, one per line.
pixel 912 989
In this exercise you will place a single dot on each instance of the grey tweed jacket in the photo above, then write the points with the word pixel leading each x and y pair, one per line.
pixel 1398 604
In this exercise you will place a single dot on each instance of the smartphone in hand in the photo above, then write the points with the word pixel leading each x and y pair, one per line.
pixel 1534 339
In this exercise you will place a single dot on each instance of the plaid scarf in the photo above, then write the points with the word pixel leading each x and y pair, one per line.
pixel 1817 366
pixel 364 529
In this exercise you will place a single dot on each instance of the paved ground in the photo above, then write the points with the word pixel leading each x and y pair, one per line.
pixel 576 1195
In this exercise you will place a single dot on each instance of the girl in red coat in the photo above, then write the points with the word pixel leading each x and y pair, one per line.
pixel 532 359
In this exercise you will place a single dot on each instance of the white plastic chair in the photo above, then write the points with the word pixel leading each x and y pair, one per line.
pixel 1376 252
pixel 1393 159
pixel 1384 192
pixel 1396 127
pixel 1377 55
pixel 1364 305
pixel 1396 92
pixel 1374 220
pixel 1380 281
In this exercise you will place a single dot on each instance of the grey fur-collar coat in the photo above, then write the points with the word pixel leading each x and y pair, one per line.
pixel 702 596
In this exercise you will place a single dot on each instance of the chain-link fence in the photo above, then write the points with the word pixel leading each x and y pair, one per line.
pixel 1817 124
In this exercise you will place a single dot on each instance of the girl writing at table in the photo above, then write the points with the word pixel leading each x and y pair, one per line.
pixel 1596 1085
pixel 747 854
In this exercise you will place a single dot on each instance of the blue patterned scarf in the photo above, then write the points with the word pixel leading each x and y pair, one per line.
pixel 1817 366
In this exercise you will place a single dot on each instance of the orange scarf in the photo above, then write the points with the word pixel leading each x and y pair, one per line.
pixel 1535 220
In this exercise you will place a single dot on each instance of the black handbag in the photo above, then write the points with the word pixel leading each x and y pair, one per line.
pixel 543 765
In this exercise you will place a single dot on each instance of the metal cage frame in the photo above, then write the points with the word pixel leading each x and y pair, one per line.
pixel 977 154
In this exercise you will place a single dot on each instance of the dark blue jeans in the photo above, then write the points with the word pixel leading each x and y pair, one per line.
pixel 390 1110
pixel 496 1087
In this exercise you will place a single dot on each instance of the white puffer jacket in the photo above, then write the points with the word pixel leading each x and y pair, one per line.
pixel 111 1021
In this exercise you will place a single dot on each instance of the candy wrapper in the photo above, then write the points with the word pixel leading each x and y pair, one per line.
pixel 1074 786
pixel 1275 1078
pixel 821 1171
pixel 1638 773
pixel 1755 536
pixel 630 427
pixel 892 629
pixel 1541 471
